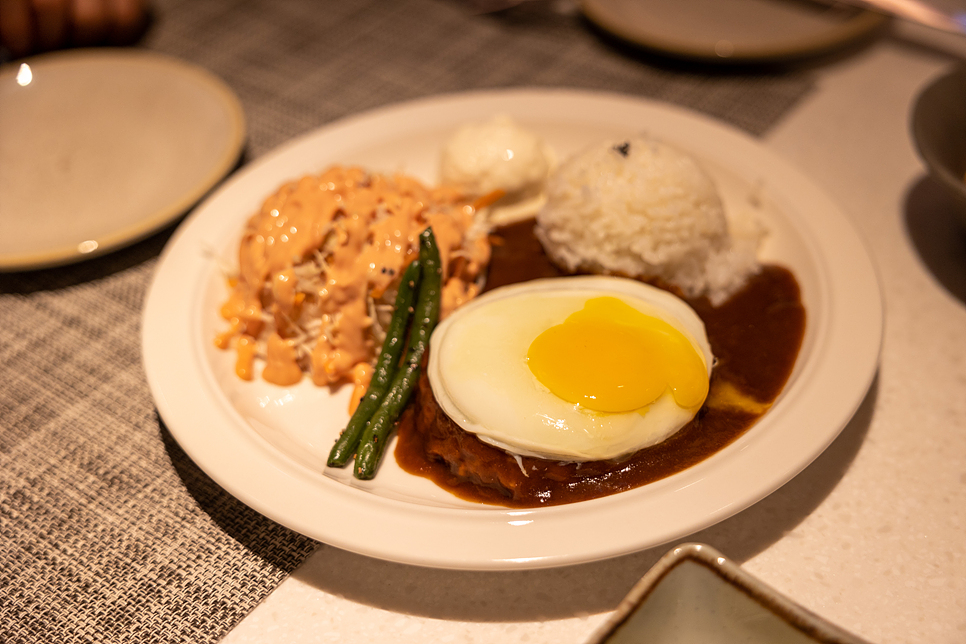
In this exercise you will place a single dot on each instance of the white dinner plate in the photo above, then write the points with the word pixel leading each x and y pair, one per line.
pixel 101 147
pixel 267 444
pixel 735 31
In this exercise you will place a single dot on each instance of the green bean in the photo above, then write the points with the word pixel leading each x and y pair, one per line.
pixel 384 371
pixel 376 435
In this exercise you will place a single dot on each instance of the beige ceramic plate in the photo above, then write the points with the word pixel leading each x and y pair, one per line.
pixel 734 30
pixel 267 445
pixel 100 148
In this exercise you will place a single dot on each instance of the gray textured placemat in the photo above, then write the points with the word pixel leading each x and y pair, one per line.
pixel 108 532
pixel 302 63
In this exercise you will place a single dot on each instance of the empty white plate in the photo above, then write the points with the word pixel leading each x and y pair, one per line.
pixel 101 147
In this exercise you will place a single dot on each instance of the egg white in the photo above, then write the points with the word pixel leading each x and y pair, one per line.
pixel 479 375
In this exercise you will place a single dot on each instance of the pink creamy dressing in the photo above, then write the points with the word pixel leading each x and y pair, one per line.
pixel 314 254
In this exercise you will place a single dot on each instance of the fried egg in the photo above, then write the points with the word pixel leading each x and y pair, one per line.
pixel 572 369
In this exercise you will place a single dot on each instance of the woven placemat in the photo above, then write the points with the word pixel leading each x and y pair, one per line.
pixel 108 532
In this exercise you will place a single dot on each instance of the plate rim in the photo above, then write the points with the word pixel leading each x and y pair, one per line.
pixel 344 497
pixel 860 26
pixel 145 226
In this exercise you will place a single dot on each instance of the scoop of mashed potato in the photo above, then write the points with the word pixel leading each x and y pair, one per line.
pixel 498 154
pixel 641 208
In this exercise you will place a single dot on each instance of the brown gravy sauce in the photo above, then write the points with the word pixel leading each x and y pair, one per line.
pixel 755 337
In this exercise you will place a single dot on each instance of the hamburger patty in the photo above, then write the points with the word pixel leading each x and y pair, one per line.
pixel 469 459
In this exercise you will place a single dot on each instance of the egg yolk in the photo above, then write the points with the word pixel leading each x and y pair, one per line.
pixel 610 357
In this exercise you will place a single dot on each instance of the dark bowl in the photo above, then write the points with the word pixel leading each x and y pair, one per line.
pixel 939 129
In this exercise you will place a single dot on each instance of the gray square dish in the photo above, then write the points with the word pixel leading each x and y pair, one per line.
pixel 695 594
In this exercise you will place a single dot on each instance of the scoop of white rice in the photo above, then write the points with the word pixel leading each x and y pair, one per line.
pixel 641 208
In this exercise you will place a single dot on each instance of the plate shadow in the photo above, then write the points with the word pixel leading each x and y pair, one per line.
pixel 275 544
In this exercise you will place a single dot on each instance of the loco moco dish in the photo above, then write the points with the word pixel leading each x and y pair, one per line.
pixel 670 342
